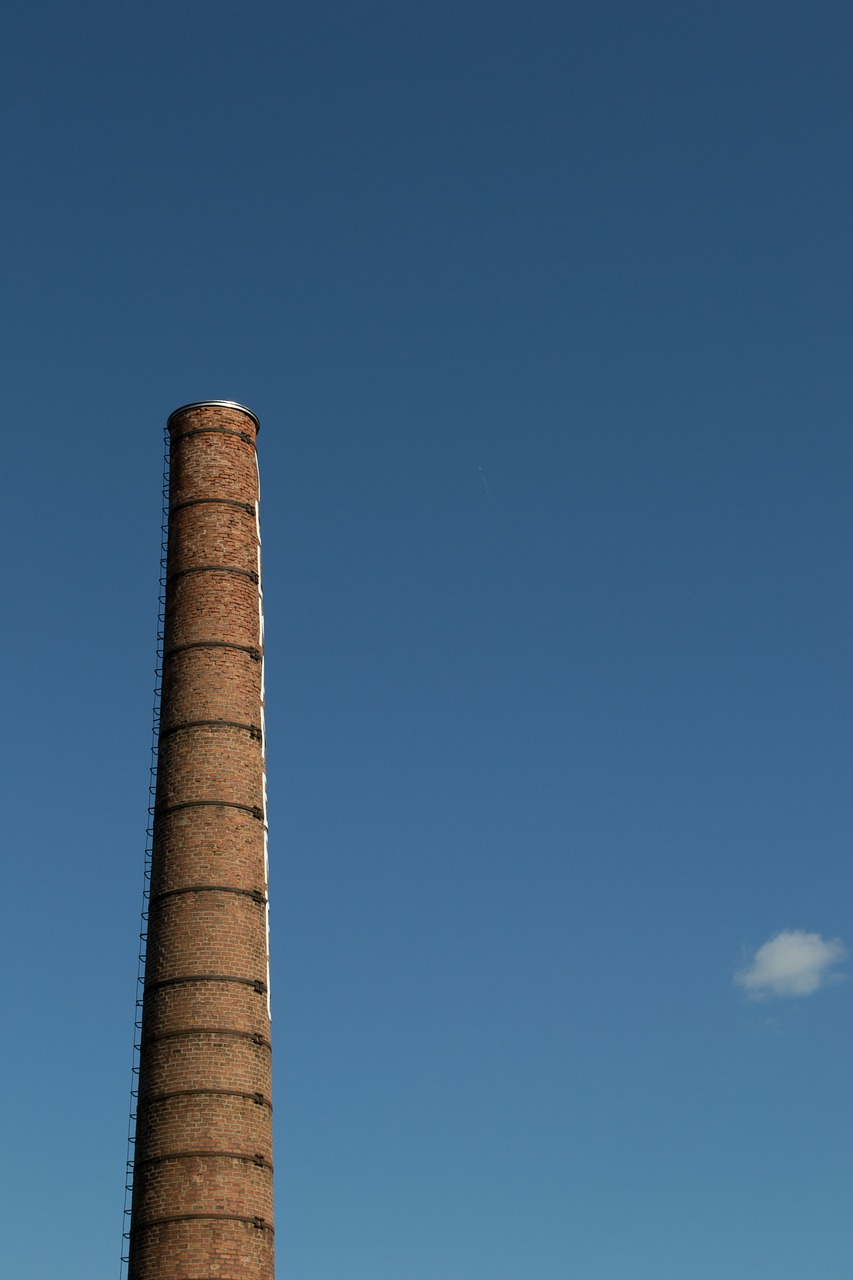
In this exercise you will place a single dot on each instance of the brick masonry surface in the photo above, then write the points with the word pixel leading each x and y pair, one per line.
pixel 202 1183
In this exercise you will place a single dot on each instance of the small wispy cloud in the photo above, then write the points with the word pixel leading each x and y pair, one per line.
pixel 791 963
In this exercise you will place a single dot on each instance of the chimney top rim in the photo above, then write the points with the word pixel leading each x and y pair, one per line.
pixel 222 404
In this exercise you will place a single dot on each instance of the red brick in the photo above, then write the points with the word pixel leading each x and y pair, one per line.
pixel 202 1189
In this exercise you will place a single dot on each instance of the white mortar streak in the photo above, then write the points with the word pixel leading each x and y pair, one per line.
pixel 263 731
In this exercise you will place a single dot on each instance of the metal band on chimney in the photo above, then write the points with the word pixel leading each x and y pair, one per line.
pixel 213 404
pixel 159 983
pixel 252 729
pixel 214 431
pixel 214 568
pixel 248 507
pixel 254 1036
pixel 259 1099
pixel 260 1223
pixel 255 810
pixel 254 1157
pixel 255 894
pixel 254 654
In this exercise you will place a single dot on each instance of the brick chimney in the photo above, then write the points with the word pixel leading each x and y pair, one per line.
pixel 202 1204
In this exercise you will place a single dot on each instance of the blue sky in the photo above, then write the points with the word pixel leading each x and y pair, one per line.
pixel 552 766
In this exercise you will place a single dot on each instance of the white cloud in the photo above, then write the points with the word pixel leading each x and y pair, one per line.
pixel 791 963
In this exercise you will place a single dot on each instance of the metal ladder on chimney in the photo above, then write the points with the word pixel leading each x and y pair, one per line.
pixel 146 884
